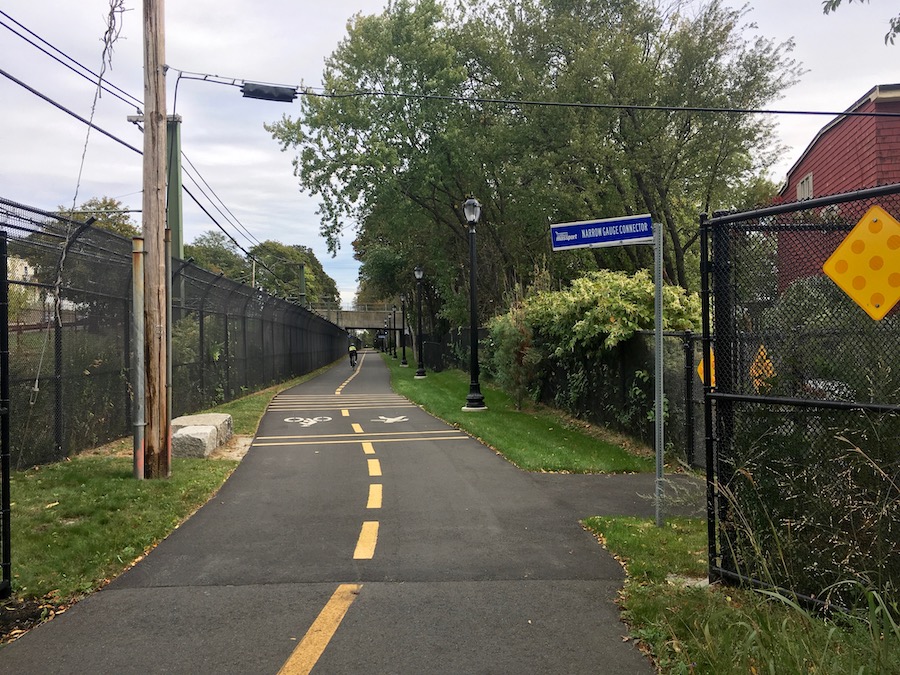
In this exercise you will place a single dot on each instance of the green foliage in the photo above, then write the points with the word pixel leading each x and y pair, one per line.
pixel 603 309
pixel 277 271
pixel 725 630
pixel 829 6
pixel 215 252
pixel 534 439
pixel 80 522
pixel 401 166
pixel 109 213
pixel 19 300
pixel 280 275
pixel 569 343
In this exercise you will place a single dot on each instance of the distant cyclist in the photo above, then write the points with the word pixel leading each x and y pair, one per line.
pixel 352 350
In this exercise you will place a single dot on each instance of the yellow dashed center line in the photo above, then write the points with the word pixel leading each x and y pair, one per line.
pixel 345 413
pixel 375 496
pixel 368 537
pixel 313 644
pixel 374 467
pixel 368 448
pixel 357 428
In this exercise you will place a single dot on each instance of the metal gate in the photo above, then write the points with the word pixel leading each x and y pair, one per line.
pixel 802 398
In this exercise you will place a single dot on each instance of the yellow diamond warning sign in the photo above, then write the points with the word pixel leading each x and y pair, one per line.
pixel 866 266
pixel 762 370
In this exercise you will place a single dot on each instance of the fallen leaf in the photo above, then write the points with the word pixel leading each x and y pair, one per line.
pixel 51 505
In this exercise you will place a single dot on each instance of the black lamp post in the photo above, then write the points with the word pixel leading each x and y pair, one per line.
pixel 403 363
pixel 384 343
pixel 474 400
pixel 394 331
pixel 419 272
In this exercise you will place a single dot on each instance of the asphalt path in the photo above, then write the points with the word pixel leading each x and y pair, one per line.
pixel 361 535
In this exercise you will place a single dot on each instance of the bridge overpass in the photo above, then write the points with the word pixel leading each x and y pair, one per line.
pixel 363 317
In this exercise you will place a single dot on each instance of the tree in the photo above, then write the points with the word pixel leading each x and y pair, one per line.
pixel 273 266
pixel 109 213
pixel 215 252
pixel 65 252
pixel 454 119
pixel 278 272
pixel 828 6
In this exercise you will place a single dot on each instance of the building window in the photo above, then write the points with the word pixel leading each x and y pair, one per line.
pixel 805 188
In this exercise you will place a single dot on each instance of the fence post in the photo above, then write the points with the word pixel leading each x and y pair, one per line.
pixel 688 345
pixel 59 443
pixel 706 302
pixel 138 374
pixel 5 502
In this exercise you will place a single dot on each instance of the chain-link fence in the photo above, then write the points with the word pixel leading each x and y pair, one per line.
pixel 803 418
pixel 69 336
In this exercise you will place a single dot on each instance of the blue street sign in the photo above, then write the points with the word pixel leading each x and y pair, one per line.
pixel 606 232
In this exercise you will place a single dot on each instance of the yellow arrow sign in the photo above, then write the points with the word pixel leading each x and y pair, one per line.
pixel 701 370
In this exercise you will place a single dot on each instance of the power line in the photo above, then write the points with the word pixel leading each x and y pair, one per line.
pixel 67 111
pixel 134 102
pixel 233 221
pixel 61 107
pixel 361 93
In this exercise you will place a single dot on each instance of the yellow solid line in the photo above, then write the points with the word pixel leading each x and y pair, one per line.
pixel 306 655
pixel 375 495
pixel 374 467
pixel 357 428
pixel 368 448
pixel 368 537
pixel 345 413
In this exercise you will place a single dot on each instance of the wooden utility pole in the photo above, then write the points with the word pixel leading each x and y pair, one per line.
pixel 156 440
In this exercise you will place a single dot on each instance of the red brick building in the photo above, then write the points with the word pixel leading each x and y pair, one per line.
pixel 849 153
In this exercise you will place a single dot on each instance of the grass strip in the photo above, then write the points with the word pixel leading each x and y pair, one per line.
pixel 535 439
pixel 723 630
pixel 80 522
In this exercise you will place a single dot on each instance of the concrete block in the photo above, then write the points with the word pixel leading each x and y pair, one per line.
pixel 194 441
pixel 220 421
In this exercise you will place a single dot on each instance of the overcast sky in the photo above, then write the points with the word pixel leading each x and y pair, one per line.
pixel 286 41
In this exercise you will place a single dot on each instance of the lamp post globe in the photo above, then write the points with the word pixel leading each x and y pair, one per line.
pixel 420 370
pixel 474 400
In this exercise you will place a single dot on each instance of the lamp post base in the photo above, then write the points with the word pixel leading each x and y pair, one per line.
pixel 474 402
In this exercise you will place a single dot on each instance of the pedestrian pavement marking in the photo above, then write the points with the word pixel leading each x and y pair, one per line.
pixel 356 436
pixel 374 467
pixel 345 413
pixel 375 496
pixel 357 428
pixel 368 537
pixel 272 444
pixel 309 651
pixel 368 448
pixel 318 397
pixel 294 407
